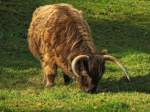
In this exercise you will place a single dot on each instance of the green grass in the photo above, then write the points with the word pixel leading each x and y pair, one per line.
pixel 121 26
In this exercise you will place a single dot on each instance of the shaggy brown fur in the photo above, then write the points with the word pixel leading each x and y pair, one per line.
pixel 58 32
pixel 58 36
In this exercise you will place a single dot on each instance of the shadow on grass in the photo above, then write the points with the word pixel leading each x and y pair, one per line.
pixel 121 36
pixel 137 84
pixel 20 79
pixel 19 70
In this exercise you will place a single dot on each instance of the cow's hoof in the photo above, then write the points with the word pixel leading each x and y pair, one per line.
pixel 49 85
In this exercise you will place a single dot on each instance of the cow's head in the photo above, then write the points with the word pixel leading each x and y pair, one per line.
pixel 89 69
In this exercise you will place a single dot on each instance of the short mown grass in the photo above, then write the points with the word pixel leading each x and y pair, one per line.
pixel 121 26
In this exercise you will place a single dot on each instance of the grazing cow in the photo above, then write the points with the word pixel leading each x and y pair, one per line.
pixel 59 36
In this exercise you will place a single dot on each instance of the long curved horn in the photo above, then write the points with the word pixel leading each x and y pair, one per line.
pixel 74 62
pixel 114 60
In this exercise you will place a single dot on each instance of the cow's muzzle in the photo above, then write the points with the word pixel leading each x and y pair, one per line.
pixel 92 89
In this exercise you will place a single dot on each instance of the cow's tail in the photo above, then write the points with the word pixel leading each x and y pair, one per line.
pixel 33 44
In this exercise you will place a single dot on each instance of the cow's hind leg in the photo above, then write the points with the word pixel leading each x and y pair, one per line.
pixel 50 71
pixel 66 79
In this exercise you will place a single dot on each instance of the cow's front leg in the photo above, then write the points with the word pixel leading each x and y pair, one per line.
pixel 49 74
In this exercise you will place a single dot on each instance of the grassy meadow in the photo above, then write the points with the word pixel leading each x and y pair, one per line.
pixel 121 26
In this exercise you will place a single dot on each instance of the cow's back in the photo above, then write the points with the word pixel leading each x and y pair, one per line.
pixel 55 28
pixel 46 26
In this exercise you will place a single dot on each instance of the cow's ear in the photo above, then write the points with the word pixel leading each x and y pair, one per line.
pixel 104 52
